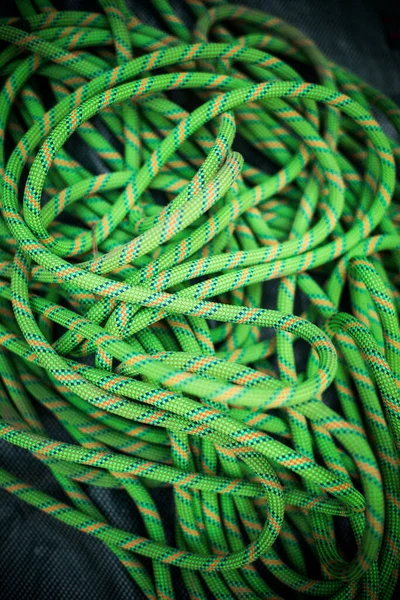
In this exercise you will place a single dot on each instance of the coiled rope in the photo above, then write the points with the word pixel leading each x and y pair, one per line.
pixel 138 253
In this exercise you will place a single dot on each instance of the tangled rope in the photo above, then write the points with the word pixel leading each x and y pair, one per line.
pixel 138 253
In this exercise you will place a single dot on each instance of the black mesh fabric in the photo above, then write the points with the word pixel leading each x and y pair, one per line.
pixel 41 558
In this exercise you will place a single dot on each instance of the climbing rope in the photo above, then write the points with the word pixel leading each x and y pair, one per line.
pixel 199 281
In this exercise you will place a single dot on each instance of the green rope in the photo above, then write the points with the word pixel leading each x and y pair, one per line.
pixel 138 249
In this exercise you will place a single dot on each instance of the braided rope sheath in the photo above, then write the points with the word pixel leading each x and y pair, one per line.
pixel 138 247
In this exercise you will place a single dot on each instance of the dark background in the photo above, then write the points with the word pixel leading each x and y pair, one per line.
pixel 43 559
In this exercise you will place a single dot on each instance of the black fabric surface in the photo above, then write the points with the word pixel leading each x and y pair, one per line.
pixel 42 559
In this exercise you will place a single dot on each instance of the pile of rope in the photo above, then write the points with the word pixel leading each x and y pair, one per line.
pixel 199 280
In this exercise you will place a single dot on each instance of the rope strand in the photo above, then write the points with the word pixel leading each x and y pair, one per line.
pixel 151 192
